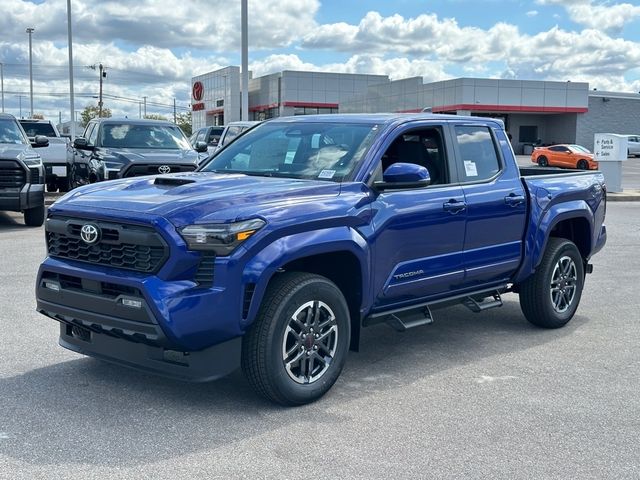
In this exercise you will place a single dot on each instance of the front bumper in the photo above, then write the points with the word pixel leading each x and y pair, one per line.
pixel 17 200
pixel 205 365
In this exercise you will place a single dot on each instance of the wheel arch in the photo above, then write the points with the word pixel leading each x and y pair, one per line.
pixel 339 254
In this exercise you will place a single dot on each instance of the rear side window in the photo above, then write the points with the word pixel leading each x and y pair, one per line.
pixel 38 128
pixel 477 153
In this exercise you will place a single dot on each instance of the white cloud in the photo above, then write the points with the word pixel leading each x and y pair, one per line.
pixel 603 16
pixel 531 13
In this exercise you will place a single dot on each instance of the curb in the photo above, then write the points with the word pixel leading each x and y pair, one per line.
pixel 630 196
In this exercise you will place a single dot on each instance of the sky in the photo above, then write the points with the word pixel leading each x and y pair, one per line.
pixel 152 48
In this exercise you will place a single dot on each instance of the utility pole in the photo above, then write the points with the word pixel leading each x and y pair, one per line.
pixel 145 107
pixel 71 95
pixel 175 119
pixel 102 75
pixel 30 31
pixel 2 83
pixel 140 109
pixel 20 101
pixel 245 60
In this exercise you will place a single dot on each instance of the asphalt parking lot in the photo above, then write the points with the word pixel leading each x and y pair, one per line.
pixel 471 396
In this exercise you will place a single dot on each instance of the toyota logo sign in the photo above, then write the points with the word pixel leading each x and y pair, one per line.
pixel 90 234
pixel 164 169
pixel 198 91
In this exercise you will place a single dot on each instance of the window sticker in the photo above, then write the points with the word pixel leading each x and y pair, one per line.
pixel 470 168
pixel 327 174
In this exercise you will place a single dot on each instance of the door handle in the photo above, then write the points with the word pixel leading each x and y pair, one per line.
pixel 514 200
pixel 454 206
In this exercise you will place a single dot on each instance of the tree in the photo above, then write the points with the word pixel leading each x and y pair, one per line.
pixel 38 116
pixel 183 120
pixel 91 111
pixel 155 116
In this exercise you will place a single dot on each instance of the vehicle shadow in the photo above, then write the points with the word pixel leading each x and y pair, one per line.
pixel 10 222
pixel 88 412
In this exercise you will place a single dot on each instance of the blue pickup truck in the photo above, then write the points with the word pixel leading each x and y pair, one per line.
pixel 285 244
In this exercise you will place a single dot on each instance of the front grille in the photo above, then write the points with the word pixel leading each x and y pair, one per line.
pixel 204 274
pixel 140 170
pixel 12 175
pixel 130 247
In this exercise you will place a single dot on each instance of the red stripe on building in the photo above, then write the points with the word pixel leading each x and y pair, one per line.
pixel 260 108
pixel 509 108
pixel 310 104
pixel 214 111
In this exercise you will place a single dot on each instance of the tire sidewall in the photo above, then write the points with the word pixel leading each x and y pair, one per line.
pixel 570 250
pixel 313 289
pixel 542 161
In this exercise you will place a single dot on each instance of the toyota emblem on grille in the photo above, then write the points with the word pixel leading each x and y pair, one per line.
pixel 89 233
pixel 164 169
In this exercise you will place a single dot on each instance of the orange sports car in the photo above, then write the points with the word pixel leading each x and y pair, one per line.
pixel 567 156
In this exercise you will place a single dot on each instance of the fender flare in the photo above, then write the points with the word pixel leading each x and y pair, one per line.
pixel 264 265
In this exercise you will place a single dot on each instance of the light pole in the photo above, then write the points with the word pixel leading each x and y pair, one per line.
pixel 2 84
pixel 245 60
pixel 20 102
pixel 70 46
pixel 30 31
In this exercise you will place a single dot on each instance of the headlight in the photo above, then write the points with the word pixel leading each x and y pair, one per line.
pixel 32 161
pixel 221 238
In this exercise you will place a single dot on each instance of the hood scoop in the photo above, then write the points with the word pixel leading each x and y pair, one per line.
pixel 172 181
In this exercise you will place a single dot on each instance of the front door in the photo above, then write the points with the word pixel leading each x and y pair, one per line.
pixel 418 233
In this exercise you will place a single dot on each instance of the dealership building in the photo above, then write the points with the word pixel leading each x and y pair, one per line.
pixel 534 112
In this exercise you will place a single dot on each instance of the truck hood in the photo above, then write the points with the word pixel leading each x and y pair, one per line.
pixel 15 151
pixel 141 155
pixel 200 197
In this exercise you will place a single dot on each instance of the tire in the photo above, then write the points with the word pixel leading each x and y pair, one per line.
pixel 52 187
pixel 63 184
pixel 583 165
pixel 542 161
pixel 34 217
pixel 552 307
pixel 279 362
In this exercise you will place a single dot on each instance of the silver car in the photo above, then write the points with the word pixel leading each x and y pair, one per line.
pixel 633 145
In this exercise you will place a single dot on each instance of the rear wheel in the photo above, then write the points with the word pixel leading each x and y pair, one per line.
pixel 550 297
pixel 583 165
pixel 34 217
pixel 295 350
pixel 542 161
pixel 52 187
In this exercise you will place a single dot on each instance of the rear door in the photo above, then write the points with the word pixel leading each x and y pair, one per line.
pixel 496 204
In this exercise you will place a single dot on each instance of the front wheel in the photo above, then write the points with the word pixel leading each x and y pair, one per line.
pixel 542 161
pixel 583 165
pixel 295 350
pixel 550 297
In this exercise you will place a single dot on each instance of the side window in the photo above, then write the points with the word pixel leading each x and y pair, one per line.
pixel 424 147
pixel 201 133
pixel 93 136
pixel 477 152
pixel 87 131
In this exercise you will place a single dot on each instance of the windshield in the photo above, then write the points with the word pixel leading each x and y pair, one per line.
pixel 10 132
pixel 323 151
pixel 127 135
pixel 35 128
pixel 578 149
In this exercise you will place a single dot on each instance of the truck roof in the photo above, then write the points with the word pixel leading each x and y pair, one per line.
pixel 133 121
pixel 382 118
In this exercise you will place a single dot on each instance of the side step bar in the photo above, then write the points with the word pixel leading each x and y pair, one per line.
pixel 402 319
pixel 485 304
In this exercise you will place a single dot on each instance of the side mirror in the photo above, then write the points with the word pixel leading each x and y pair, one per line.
pixel 82 144
pixel 201 147
pixel 40 141
pixel 404 175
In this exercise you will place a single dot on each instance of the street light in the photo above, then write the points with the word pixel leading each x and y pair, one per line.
pixel 70 47
pixel 30 30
